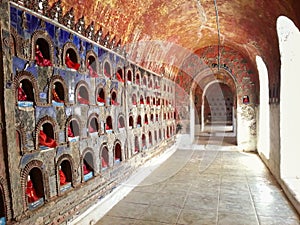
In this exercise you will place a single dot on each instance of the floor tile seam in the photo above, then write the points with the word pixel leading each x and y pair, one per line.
pixel 218 204
pixel 183 205
pixel 253 202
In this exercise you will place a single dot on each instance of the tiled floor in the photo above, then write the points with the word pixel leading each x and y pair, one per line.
pixel 205 187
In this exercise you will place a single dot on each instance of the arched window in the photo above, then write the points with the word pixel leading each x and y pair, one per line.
pixel 42 53
pixel 71 60
pixel 88 166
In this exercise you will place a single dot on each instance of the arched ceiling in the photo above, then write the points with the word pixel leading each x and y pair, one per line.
pixel 248 26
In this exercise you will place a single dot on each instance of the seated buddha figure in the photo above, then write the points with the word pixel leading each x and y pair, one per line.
pixel 100 99
pixel 70 132
pixel 70 64
pixel 39 58
pixel 92 72
pixel 86 170
pixel 114 102
pixel 55 96
pixel 45 140
pixel 62 177
pixel 21 93
pixel 82 100
pixel 30 191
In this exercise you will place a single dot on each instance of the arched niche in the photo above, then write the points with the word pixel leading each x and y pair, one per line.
pixel 142 100
pixel 148 100
pixel 150 138
pixel 114 97
pixel 107 69
pixel 131 121
pixel 158 102
pixel 87 165
pixel 92 63
pixel 157 117
pixel 150 85
pixel 136 144
pixel 26 89
pixel 156 84
pixel 73 129
pixel 104 156
pixel 139 121
pixel 64 175
pixel 42 48
pixel 144 144
pixel 137 78
pixel 34 188
pixel 129 76
pixel 119 74
pixel 159 134
pixel 100 96
pixel 93 124
pixel 45 134
pixel 168 132
pixel 82 93
pixel 117 152
pixel 146 122
pixel 152 117
pixel 134 99
pixel 108 125
pixel 58 90
pixel 71 56
pixel 145 80
pixel 121 123
pixel 155 135
pixel 153 101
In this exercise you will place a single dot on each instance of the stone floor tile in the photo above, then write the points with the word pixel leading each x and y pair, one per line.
pixel 166 199
pixel 275 209
pixel 201 202
pixel 161 214
pixel 274 220
pixel 110 220
pixel 147 222
pixel 197 217
pixel 139 197
pixel 237 219
pixel 236 206
pixel 128 210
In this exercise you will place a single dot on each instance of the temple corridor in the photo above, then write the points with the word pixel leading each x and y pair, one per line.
pixel 204 187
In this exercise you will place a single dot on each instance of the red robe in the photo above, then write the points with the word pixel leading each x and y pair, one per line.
pixel 85 169
pixel 70 64
pixel 30 192
pixel 119 78
pixel 55 96
pixel 99 99
pixel 21 95
pixel 40 60
pixel 62 178
pixel 70 133
pixel 106 73
pixel 46 141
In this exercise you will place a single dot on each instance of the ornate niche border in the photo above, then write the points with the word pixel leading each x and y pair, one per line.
pixel 57 78
pixel 23 141
pixel 67 46
pixel 4 190
pixel 24 174
pixel 45 119
pixel 73 170
pixel 26 75
pixel 44 35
